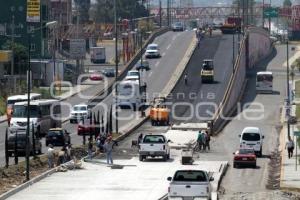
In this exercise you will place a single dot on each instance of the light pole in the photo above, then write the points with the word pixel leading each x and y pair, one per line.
pixel 28 94
pixel 233 52
pixel 288 84
pixel 116 63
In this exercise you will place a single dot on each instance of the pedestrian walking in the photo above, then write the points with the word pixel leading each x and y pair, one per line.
pixel 108 147
pixel 140 138
pixel 290 147
pixel 68 152
pixel 67 137
pixel 185 79
pixel 50 156
pixel 90 149
pixel 207 141
pixel 204 138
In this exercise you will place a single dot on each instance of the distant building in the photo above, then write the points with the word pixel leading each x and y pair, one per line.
pixel 61 11
pixel 186 3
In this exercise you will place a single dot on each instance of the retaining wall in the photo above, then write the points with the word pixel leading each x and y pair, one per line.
pixel 260 46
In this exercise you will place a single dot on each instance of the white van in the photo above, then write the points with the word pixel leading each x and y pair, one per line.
pixel 252 138
pixel 129 94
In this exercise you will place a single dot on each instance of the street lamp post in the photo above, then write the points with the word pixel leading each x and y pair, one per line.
pixel 288 85
pixel 116 63
pixel 28 94
pixel 233 52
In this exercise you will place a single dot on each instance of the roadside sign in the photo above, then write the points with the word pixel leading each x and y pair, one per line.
pixel 270 12
pixel 77 48
pixel 33 11
pixel 297 133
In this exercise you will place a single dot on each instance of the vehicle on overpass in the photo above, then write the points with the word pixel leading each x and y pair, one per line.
pixel 159 113
pixel 178 26
pixel 190 184
pixel 244 157
pixel 144 65
pixel 79 112
pixel 132 75
pixel 152 51
pixel 16 142
pixel 264 82
pixel 252 137
pixel 11 100
pixel 232 25
pixel 44 114
pixel 154 146
pixel 98 54
pixel 207 71
pixel 129 94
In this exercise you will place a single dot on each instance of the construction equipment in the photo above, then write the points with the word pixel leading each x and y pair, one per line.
pixel 232 25
pixel 159 113
pixel 207 71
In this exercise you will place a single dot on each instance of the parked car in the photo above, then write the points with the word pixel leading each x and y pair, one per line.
pixel 244 157
pixel 252 137
pixel 79 112
pixel 109 72
pixel 152 51
pixel 154 146
pixel 144 65
pixel 96 76
pixel 56 137
pixel 190 184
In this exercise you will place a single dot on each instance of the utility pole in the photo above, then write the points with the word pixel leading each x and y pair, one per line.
pixel 77 36
pixel 288 85
pixel 263 14
pixel 12 45
pixel 116 63
pixel 168 13
pixel 160 17
pixel 233 52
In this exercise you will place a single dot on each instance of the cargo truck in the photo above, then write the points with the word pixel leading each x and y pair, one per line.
pixel 98 54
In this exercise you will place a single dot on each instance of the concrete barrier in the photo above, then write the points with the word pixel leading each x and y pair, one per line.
pixel 259 47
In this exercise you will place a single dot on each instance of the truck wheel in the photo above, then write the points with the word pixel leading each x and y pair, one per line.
pixel 234 165
pixel 141 158
pixel 152 122
pixel 168 156
pixel 165 157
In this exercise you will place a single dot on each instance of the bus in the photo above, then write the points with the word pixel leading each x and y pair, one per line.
pixel 11 100
pixel 264 82
pixel 44 114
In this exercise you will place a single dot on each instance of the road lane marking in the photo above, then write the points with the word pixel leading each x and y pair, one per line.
pixel 168 47
pixel 174 37
pixel 150 74
pixel 156 64
pixel 163 54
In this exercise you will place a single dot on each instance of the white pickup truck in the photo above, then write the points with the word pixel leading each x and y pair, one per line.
pixel 190 184
pixel 154 146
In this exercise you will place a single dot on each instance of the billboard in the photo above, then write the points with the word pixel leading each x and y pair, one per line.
pixel 33 11
pixel 77 48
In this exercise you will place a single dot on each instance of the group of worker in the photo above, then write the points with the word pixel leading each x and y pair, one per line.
pixel 203 140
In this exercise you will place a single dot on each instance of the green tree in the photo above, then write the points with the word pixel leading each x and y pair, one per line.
pixel 20 55
pixel 126 9
pixel 287 3
pixel 83 6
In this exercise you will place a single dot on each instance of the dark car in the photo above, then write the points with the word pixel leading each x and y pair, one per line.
pixel 144 65
pixel 56 137
pixel 109 72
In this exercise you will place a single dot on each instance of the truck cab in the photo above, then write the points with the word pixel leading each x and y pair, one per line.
pixel 154 146
pixel 207 71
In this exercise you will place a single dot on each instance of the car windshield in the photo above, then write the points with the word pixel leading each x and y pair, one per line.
pixel 154 139
pixel 251 137
pixel 80 108
pixel 152 48
pixel 178 24
pixel 246 151
pixel 20 111
pixel 199 176
pixel 55 133
pixel 207 65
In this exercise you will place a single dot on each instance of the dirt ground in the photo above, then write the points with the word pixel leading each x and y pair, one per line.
pixel 15 175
